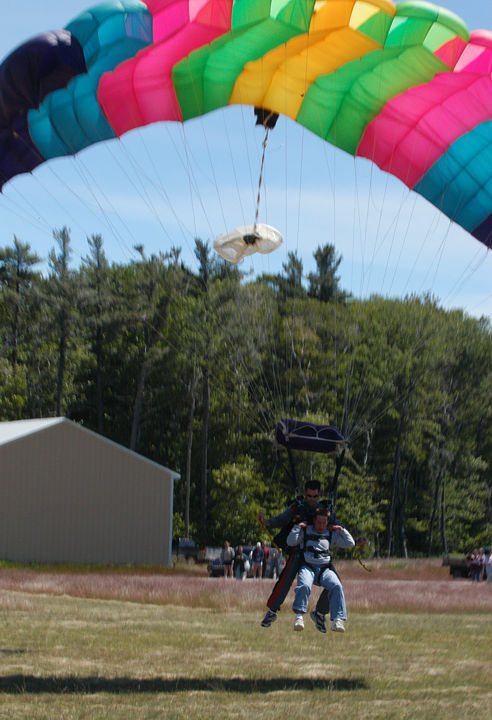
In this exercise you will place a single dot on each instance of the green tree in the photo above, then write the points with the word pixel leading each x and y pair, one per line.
pixel 63 300
pixel 18 282
pixel 235 502
pixel 99 306
pixel 324 284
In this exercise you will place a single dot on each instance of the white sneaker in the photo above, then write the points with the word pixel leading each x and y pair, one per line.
pixel 299 623
pixel 338 625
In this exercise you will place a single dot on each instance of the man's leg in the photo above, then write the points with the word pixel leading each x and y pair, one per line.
pixel 284 582
pixel 281 588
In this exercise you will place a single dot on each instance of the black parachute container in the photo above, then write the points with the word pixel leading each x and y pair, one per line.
pixel 306 436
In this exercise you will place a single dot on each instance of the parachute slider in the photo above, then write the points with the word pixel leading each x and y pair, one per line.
pixel 246 240
pixel 300 435
pixel 265 117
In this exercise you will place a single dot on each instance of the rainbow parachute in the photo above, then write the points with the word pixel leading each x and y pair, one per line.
pixel 406 85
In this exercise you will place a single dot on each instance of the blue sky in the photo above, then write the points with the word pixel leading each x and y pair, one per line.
pixel 166 184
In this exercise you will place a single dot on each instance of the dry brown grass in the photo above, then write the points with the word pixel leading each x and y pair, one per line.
pixel 415 586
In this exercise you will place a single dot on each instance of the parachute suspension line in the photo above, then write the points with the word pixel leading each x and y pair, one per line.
pixel 340 457
pixel 38 221
pixel 142 192
pixel 475 264
pixel 214 177
pixel 160 189
pixel 261 388
pixel 484 301
pixel 252 180
pixel 196 94
pixel 66 186
pixel 376 245
pixel 330 163
pixel 303 132
pixel 267 491
pixel 233 166
pixel 357 232
pixel 430 232
pixel 393 223
pixel 293 470
pixel 190 184
pixel 419 343
pixel 90 183
pixel 352 407
pixel 260 180
pixel 25 201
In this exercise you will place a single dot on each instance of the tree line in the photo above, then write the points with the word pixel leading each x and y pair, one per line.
pixel 193 368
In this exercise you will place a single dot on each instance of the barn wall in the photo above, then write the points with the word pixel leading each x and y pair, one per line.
pixel 68 495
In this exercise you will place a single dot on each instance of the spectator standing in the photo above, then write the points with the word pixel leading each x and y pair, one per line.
pixel 488 566
pixel 276 563
pixel 257 557
pixel 239 564
pixel 266 555
pixel 476 565
pixel 227 556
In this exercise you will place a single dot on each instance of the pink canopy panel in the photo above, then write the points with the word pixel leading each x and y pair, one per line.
pixel 179 26
pixel 403 140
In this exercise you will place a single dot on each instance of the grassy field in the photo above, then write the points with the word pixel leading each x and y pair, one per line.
pixel 157 645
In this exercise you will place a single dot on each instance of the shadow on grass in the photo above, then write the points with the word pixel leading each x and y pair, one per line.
pixel 13 651
pixel 20 684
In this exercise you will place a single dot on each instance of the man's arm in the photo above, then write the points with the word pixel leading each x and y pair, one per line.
pixel 278 521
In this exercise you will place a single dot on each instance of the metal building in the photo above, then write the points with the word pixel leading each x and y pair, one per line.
pixel 70 495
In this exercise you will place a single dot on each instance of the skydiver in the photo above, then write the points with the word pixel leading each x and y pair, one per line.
pixel 315 541
pixel 301 510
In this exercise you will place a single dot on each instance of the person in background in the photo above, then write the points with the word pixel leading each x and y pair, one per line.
pixel 266 556
pixel 239 563
pixel 227 556
pixel 488 566
pixel 276 563
pixel 257 559
pixel 476 565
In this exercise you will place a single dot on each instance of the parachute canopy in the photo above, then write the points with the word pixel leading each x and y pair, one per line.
pixel 406 86
pixel 301 435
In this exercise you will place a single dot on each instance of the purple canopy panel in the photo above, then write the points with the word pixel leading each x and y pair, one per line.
pixel 46 63
pixel 38 67
pixel 18 153
pixel 484 232
pixel 300 435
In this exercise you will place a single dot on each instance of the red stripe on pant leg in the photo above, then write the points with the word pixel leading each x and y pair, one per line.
pixel 283 578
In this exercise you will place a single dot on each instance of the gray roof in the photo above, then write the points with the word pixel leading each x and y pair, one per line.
pixel 16 429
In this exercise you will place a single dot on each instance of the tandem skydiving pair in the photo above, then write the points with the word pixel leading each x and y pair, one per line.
pixel 309 529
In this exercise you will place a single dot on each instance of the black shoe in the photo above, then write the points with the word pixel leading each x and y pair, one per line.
pixel 269 618
pixel 319 620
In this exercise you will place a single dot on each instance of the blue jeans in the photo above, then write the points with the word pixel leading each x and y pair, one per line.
pixel 328 580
